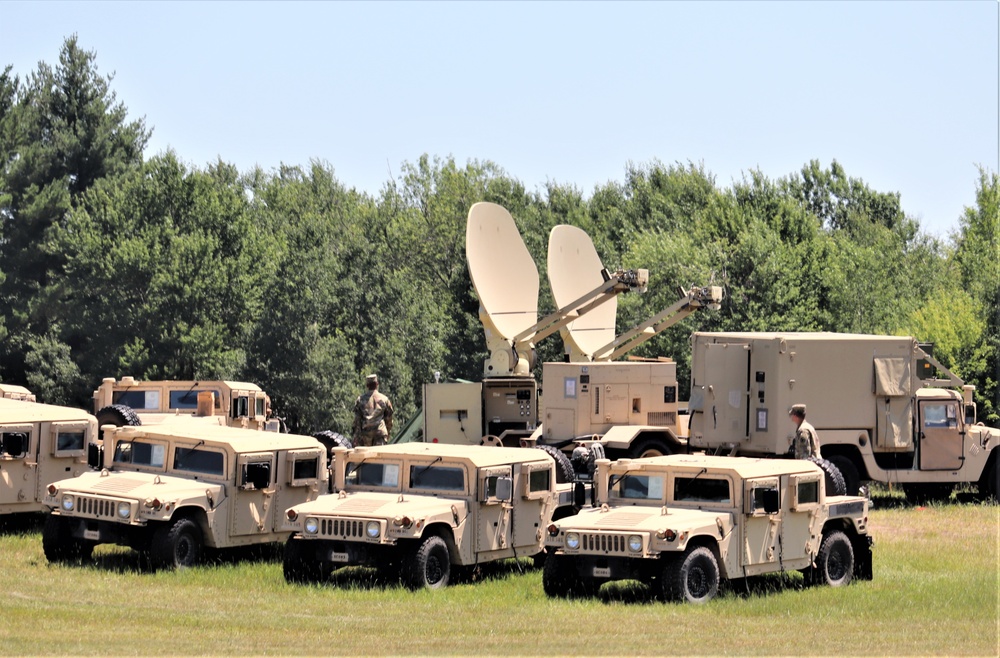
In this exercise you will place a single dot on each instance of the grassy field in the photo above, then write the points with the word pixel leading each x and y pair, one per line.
pixel 935 592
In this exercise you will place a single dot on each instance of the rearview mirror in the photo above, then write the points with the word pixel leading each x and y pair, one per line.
pixel 505 489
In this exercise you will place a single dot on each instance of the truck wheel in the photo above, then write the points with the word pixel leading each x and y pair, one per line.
pixel 300 569
pixel 177 545
pixel 693 577
pixel 648 448
pixel 852 479
pixel 559 578
pixel 118 415
pixel 989 485
pixel 834 478
pixel 564 467
pixel 332 440
pixel 59 545
pixel 429 566
pixel 835 561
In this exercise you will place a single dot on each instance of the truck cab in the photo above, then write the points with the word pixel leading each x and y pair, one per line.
pixel 168 491
pixel 417 510
pixel 684 522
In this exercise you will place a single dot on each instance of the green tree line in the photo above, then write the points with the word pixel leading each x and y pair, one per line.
pixel 112 264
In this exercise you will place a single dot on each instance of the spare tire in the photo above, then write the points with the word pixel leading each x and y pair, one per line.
pixel 564 468
pixel 332 440
pixel 118 415
pixel 835 485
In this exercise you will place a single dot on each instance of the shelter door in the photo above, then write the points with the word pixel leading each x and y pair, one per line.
pixel 941 435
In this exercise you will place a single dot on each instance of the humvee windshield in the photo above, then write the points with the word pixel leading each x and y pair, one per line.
pixel 199 461
pixel 141 400
pixel 640 487
pixel 449 478
pixel 140 453
pixel 702 490
pixel 189 399
pixel 373 474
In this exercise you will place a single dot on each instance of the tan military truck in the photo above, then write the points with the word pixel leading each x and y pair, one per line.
pixel 684 522
pixel 38 444
pixel 15 392
pixel 133 402
pixel 879 409
pixel 420 510
pixel 170 490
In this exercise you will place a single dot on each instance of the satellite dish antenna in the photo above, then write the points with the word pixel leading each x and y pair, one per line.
pixel 506 281
pixel 575 269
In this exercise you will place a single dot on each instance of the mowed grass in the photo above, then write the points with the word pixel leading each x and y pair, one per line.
pixel 935 592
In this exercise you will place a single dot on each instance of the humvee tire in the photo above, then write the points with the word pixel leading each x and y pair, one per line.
pixel 649 448
pixel 118 415
pixel 564 467
pixel 989 484
pixel 835 485
pixel 59 546
pixel 177 545
pixel 429 566
pixel 834 562
pixel 692 577
pixel 332 440
pixel 299 570
pixel 559 578
pixel 852 479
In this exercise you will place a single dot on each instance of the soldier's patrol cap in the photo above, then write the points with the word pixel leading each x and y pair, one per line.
pixel 798 410
pixel 371 379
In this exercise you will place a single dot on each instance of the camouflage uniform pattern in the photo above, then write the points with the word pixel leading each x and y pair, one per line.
pixel 806 441
pixel 372 419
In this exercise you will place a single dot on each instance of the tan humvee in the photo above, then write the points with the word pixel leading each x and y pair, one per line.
pixel 39 443
pixel 417 510
pixel 684 522
pixel 132 402
pixel 875 402
pixel 15 392
pixel 171 489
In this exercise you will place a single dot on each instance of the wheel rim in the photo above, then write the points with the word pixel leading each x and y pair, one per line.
pixel 651 452
pixel 183 550
pixel 697 582
pixel 836 565
pixel 434 571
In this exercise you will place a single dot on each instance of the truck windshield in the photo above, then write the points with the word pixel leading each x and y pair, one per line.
pixel 140 453
pixel 209 462
pixel 373 474
pixel 640 487
pixel 449 478
pixel 702 490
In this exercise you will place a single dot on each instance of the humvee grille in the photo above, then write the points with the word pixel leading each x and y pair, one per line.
pixel 603 543
pixel 343 528
pixel 661 418
pixel 96 507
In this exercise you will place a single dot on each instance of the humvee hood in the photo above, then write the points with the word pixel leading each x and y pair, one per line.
pixel 368 505
pixel 137 485
pixel 624 519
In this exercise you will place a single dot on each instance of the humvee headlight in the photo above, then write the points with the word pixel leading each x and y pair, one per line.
pixel 124 510
pixel 312 525
pixel 572 540
pixel 635 543
pixel 373 529
pixel 67 503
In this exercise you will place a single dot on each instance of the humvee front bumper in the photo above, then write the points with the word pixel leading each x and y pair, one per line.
pixel 343 553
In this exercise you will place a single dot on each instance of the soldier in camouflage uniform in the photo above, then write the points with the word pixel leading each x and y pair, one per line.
pixel 806 441
pixel 372 416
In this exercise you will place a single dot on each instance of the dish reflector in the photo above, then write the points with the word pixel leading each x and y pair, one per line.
pixel 502 270
pixel 574 270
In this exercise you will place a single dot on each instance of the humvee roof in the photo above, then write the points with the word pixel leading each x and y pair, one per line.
pixel 743 467
pixel 20 411
pixel 241 440
pixel 476 455
pixel 800 335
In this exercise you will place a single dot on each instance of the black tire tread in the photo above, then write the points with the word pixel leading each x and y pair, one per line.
pixel 120 415
pixel 165 538
pixel 852 478
pixel 820 574
pixel 564 467
pixel 415 568
pixel 674 578
pixel 835 485
pixel 298 569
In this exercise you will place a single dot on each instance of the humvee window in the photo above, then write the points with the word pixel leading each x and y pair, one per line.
pixel 701 490
pixel 140 454
pixel 373 475
pixel 808 492
pixel 185 399
pixel 640 487
pixel 437 477
pixel 305 469
pixel 66 441
pixel 199 461
pixel 539 481
pixel 758 497
pixel 256 475
pixel 259 407
pixel 14 444
pixel 141 400
pixel 241 406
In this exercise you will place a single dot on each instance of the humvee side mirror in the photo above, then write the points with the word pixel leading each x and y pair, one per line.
pixel 14 443
pixel 970 414
pixel 505 489
pixel 257 475
pixel 579 495
pixel 772 501
pixel 95 456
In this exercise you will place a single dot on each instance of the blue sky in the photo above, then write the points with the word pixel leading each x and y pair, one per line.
pixel 903 94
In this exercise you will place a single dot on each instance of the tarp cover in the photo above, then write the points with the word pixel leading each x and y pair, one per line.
pixel 892 376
